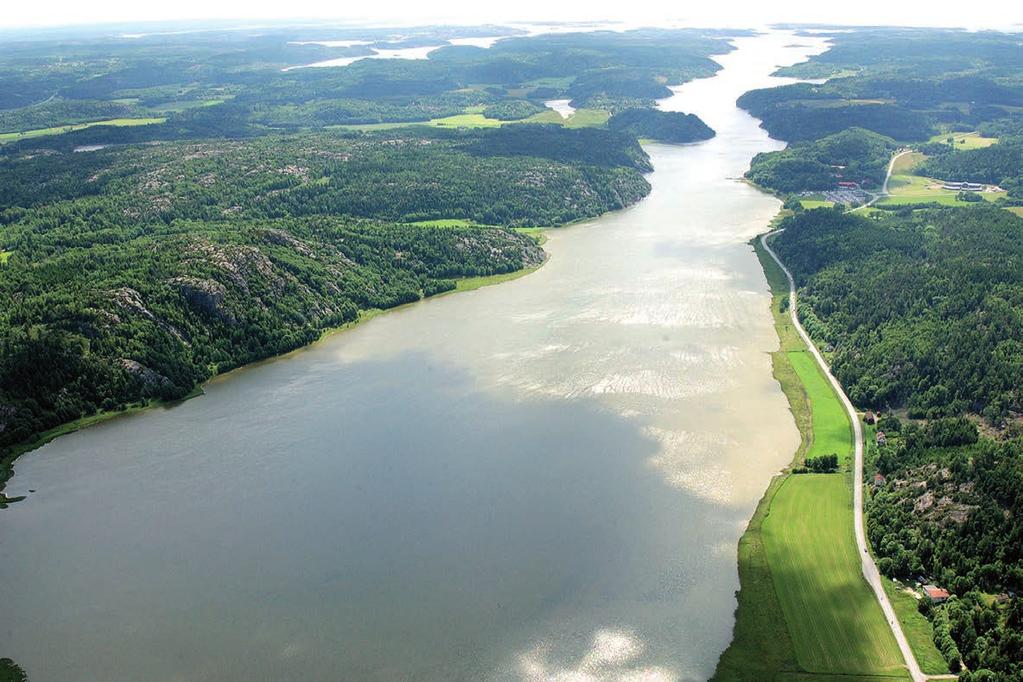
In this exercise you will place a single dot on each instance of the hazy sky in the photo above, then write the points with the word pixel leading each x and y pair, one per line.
pixel 989 13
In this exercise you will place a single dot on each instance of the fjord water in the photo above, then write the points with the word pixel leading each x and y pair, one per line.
pixel 547 477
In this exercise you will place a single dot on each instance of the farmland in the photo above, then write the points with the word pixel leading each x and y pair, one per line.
pixel 58 130
pixel 473 117
pixel 835 624
pixel 915 189
pixel 964 141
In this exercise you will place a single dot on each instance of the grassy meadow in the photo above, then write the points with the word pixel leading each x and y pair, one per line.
pixel 963 141
pixel 834 620
pixel 473 117
pixel 830 432
pixel 59 130
pixel 916 189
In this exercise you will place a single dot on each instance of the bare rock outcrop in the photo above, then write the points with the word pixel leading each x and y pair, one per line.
pixel 205 295
pixel 151 379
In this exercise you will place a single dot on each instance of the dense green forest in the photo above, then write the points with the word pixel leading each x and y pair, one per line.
pixel 854 154
pixel 901 83
pixel 515 176
pixel 919 310
pixel 663 126
pixel 950 506
pixel 151 312
pixel 929 84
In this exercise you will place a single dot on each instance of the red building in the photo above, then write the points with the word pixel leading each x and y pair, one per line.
pixel 936 594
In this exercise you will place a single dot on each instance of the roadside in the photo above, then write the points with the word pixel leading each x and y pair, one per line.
pixel 868 567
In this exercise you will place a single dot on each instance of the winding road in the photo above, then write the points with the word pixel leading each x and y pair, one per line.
pixel 869 568
pixel 884 187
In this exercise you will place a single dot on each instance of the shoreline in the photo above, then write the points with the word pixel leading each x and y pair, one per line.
pixel 759 630
pixel 14 452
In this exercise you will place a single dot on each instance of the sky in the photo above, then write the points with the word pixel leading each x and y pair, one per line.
pixel 1000 14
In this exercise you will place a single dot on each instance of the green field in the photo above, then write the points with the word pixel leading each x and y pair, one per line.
pixel 965 140
pixel 916 189
pixel 815 201
pixel 804 610
pixel 904 164
pixel 917 629
pixel 830 432
pixel 4 255
pixel 1018 210
pixel 473 118
pixel 834 620
pixel 583 118
pixel 58 130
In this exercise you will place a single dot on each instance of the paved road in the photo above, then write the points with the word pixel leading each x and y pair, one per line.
pixel 884 187
pixel 870 572
pixel 891 165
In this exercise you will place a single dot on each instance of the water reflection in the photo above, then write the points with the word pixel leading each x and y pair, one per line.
pixel 541 479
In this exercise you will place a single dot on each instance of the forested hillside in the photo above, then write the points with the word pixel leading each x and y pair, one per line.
pixel 150 312
pixel 534 176
pixel 890 88
pixel 854 154
pixel 950 506
pixel 902 83
pixel 921 311
pixel 663 126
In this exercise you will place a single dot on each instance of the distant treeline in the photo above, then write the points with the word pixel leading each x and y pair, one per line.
pixel 664 126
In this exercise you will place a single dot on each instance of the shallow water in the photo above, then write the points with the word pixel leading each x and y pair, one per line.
pixel 562 106
pixel 543 477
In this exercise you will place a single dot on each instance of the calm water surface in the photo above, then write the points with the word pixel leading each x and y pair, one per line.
pixel 545 478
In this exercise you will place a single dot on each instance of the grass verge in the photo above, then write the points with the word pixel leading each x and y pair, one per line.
pixel 58 130
pixel 917 628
